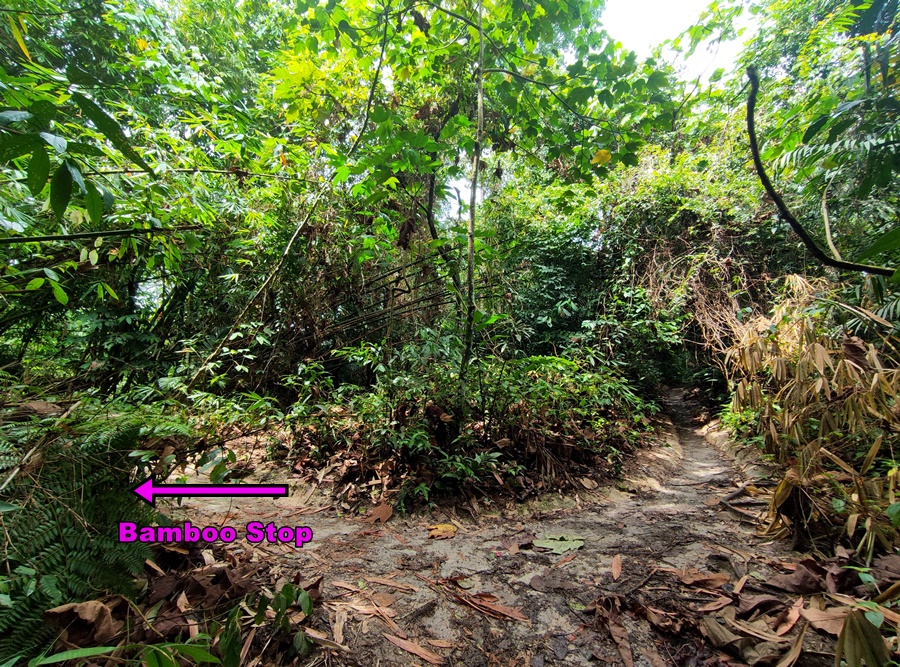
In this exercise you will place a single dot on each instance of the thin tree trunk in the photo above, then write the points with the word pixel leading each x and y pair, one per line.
pixel 473 200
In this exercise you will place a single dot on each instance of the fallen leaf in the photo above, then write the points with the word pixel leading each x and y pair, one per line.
pixel 788 618
pixel 830 620
pixel 381 513
pixel 809 577
pixel 384 599
pixel 794 654
pixel 715 605
pixel 322 639
pixel 619 635
pixel 559 544
pixel 563 561
pixel 486 606
pixel 616 567
pixel 415 649
pixel 86 622
pixel 750 603
pixel 718 634
pixel 399 585
pixel 514 543
pixel 694 577
pixel 441 643
pixel 588 483
pixel 340 620
pixel 860 641
pixel 442 531
pixel 345 586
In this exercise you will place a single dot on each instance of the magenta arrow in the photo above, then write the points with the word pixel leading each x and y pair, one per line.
pixel 148 491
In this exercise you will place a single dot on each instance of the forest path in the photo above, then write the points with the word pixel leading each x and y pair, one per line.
pixel 485 597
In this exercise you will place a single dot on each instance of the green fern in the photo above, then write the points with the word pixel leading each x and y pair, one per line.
pixel 63 546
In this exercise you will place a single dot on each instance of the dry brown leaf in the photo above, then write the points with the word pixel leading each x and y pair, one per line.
pixel 415 649
pixel 154 566
pixel 739 586
pixel 441 643
pixel 616 567
pixel 620 636
pixel 384 599
pixel 563 561
pixel 787 620
pixel 694 577
pixel 808 577
pixel 380 514
pixel 715 605
pixel 750 603
pixel 86 622
pixel 482 602
pixel 245 649
pixel 442 531
pixel 512 544
pixel 588 483
pixel 830 620
pixel 399 585
pixel 340 620
pixel 345 586
pixel 322 639
pixel 794 654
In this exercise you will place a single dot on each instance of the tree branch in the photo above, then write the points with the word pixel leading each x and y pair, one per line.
pixel 783 211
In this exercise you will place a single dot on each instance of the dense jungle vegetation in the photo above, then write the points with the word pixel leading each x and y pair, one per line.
pixel 455 247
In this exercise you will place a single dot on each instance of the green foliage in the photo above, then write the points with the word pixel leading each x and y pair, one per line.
pixel 73 488
pixel 527 417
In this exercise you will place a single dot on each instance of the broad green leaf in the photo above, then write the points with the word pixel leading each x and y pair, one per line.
pixel 110 129
pixel 13 660
pixel 93 202
pixel 38 170
pixel 79 148
pixel 13 116
pixel 814 128
pixel 35 283
pixel 195 652
pixel 76 175
pixel 78 76
pixel 8 507
pixel 17 145
pixel 61 190
pixel 893 511
pixel 59 293
pixel 43 111
pixel 305 601
pixel 380 114
pixel 884 243
pixel 59 143
pixel 74 654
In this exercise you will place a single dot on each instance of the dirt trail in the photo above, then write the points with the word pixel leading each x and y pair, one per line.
pixel 664 513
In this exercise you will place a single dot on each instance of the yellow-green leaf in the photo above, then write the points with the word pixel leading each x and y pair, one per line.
pixel 601 157
pixel 18 36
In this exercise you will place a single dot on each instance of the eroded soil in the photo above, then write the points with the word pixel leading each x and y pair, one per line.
pixel 538 607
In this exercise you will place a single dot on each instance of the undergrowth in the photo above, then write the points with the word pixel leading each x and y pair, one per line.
pixel 67 481
pixel 823 402
pixel 527 423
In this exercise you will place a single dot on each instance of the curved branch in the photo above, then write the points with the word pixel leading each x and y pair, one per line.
pixel 783 211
